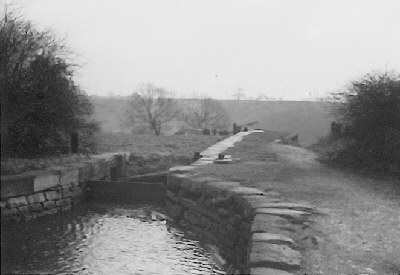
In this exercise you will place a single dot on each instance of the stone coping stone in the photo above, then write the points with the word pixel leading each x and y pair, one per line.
pixel 68 174
pixel 181 169
pixel 16 185
pixel 258 201
pixel 271 238
pixel 277 256
pixel 288 213
pixel 268 223
pixel 44 179
pixel 243 191
pixel 286 205
pixel 268 271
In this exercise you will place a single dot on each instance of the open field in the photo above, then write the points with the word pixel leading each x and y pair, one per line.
pixel 309 119
pixel 152 153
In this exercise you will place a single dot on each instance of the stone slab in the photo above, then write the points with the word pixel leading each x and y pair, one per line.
pixel 268 223
pixel 44 179
pixel 17 201
pixel 67 174
pixel 274 256
pixel 16 185
pixel 259 201
pixel 49 204
pixel 271 238
pixel 268 271
pixel 53 195
pixel 35 198
pixel 245 191
pixel 288 213
pixel 287 205
pixel 181 169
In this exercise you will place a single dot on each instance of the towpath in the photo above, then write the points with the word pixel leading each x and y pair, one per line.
pixel 357 230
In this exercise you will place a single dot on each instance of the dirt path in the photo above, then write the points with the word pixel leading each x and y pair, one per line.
pixel 358 228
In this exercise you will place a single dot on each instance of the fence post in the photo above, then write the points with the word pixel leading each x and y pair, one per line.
pixel 74 143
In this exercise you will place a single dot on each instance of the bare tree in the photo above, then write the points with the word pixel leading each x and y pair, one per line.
pixel 204 113
pixel 152 106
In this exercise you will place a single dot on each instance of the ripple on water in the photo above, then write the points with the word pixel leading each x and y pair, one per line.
pixel 103 240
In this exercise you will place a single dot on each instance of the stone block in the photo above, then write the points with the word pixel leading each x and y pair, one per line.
pixel 35 198
pixel 16 185
pixel 9 212
pixel 274 256
pixel 63 202
pixel 268 271
pixel 258 201
pixel 17 201
pixel 35 207
pixel 271 238
pixel 66 193
pixel 67 174
pixel 287 213
pixel 49 204
pixel 269 223
pixel 221 187
pixel 3 204
pixel 23 209
pixel 44 179
pixel 53 195
pixel 175 181
pixel 66 208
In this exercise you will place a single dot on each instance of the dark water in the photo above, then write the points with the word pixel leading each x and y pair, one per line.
pixel 103 240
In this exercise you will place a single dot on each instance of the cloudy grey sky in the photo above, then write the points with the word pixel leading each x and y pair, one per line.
pixel 282 48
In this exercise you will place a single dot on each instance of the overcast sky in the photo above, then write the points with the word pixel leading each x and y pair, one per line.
pixel 284 49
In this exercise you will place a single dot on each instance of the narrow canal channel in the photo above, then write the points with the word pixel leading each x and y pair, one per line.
pixel 103 239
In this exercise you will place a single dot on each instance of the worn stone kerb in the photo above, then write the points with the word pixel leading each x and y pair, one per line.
pixel 243 222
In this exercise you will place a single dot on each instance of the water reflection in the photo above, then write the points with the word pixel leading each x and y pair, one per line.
pixel 103 240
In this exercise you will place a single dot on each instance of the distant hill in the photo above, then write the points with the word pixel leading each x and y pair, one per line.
pixel 309 119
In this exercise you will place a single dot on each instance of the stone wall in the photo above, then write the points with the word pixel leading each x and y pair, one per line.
pixel 42 192
pixel 249 226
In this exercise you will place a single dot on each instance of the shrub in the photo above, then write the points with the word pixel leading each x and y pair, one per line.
pixel 40 103
pixel 370 111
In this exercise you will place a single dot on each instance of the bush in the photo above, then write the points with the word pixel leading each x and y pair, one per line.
pixel 40 103
pixel 370 111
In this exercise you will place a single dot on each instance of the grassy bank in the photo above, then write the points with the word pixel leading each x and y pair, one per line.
pixel 150 153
